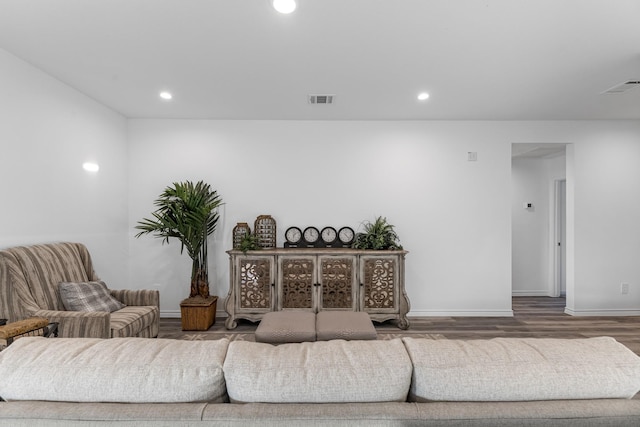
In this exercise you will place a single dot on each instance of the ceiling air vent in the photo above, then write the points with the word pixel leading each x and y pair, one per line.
pixel 623 87
pixel 321 99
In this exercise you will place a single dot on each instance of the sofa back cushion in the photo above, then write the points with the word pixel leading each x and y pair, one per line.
pixel 12 307
pixel 135 370
pixel 520 369
pixel 318 372
pixel 38 270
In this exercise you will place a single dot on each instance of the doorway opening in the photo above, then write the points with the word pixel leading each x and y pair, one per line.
pixel 539 220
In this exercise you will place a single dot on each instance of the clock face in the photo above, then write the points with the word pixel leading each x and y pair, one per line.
pixel 311 234
pixel 346 235
pixel 293 234
pixel 329 235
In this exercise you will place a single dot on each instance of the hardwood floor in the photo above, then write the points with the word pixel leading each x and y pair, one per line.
pixel 537 317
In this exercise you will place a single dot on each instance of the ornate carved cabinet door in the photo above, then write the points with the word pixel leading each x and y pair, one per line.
pixel 338 282
pixel 317 279
pixel 382 292
pixel 297 280
pixel 254 294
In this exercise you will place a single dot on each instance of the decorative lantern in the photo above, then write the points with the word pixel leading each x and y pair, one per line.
pixel 239 231
pixel 265 231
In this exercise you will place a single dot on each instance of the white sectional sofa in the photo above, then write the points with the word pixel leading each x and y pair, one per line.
pixel 401 382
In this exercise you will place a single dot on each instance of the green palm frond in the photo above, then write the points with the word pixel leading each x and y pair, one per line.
pixel 187 212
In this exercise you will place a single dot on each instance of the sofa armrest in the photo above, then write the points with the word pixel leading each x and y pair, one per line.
pixel 84 324
pixel 137 297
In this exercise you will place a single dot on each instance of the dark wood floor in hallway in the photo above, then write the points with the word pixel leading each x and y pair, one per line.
pixel 537 317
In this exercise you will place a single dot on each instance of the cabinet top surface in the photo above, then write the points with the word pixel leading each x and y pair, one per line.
pixel 316 251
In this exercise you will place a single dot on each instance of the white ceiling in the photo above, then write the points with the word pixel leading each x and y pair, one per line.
pixel 239 59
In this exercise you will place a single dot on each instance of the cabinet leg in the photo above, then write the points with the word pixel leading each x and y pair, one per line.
pixel 230 323
pixel 403 323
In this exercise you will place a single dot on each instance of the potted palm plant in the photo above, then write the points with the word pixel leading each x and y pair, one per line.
pixel 189 212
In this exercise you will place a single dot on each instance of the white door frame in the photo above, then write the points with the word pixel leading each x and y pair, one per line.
pixel 559 237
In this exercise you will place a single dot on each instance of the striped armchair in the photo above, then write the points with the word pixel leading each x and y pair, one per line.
pixel 29 280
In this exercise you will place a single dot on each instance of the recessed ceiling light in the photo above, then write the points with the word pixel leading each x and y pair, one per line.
pixel 90 167
pixel 166 95
pixel 284 6
pixel 423 96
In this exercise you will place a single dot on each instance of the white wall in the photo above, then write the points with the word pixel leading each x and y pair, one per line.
pixel 532 228
pixel 47 130
pixel 454 216
pixel 607 213
pixel 451 214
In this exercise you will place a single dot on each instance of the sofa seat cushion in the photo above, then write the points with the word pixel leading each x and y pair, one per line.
pixel 131 320
pixel 135 370
pixel 318 372
pixel 520 369
pixel 101 414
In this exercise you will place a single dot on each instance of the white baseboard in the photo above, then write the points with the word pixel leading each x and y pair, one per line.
pixel 170 314
pixel 530 293
pixel 461 313
pixel 175 314
pixel 596 312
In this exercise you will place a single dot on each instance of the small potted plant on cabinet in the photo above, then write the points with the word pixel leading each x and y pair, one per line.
pixel 249 242
pixel 377 235
pixel 189 213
